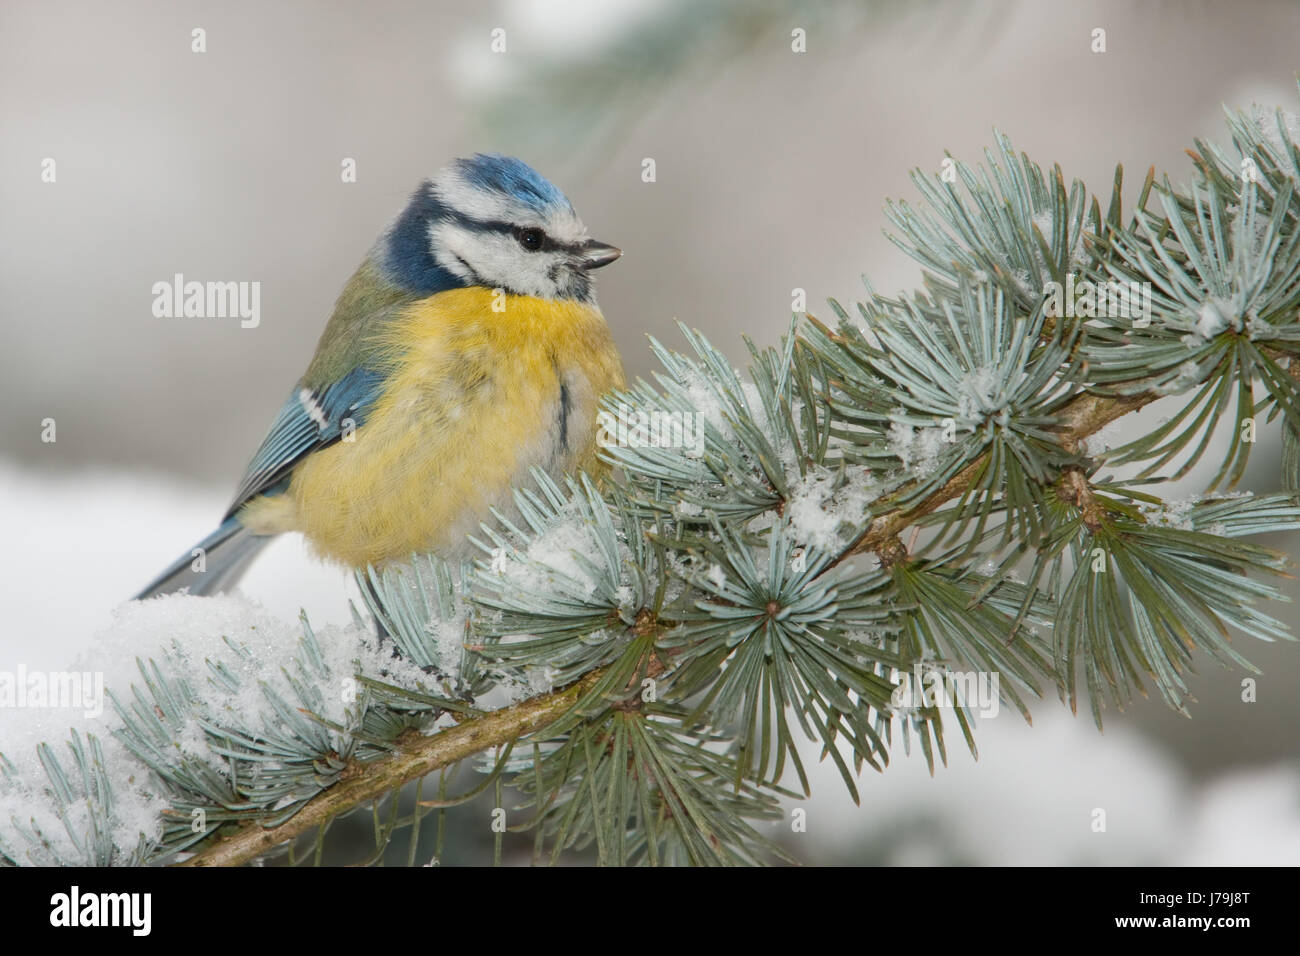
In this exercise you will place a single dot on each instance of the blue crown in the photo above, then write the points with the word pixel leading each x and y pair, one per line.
pixel 513 177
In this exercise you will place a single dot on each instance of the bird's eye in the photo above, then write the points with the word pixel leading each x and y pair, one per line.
pixel 530 239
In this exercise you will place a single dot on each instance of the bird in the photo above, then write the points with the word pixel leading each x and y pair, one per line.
pixel 465 351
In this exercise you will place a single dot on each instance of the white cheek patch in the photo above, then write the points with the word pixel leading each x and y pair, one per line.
pixel 444 239
pixel 494 259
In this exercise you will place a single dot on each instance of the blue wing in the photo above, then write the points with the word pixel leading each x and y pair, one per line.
pixel 312 419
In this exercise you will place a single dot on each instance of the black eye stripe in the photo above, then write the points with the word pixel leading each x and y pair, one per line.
pixel 549 243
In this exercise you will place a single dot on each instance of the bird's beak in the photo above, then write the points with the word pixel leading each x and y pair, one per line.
pixel 593 254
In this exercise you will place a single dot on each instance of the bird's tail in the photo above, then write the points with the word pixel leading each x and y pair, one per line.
pixel 225 554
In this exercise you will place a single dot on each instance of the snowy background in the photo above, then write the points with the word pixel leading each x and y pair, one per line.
pixel 772 170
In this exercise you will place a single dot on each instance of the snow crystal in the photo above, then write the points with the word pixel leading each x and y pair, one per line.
pixel 816 509
pixel 979 393
pixel 702 394
pixel 1189 374
pixel 872 638
pixel 541 680
pixel 553 550
pixel 1102 440
pixel 1215 316
pixel 1046 223
pixel 559 546
pixel 918 448
pixel 1172 514
pixel 449 637
pixel 1256 327
pixel 625 599
pixel 687 509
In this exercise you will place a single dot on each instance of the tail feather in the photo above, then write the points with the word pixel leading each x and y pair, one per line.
pixel 227 552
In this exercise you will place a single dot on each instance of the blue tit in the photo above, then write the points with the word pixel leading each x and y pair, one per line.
pixel 465 351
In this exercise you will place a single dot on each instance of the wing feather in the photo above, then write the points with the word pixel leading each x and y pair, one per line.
pixel 310 420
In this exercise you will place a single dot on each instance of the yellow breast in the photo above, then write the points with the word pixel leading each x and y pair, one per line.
pixel 476 397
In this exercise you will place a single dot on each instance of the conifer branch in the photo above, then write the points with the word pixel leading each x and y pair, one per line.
pixel 1083 416
pixel 418 756
pixel 362 783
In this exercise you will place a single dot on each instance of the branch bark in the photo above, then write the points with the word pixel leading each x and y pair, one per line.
pixel 364 782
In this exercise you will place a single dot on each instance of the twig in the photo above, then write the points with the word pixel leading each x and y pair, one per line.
pixel 363 782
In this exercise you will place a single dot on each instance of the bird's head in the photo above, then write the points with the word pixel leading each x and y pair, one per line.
pixel 493 221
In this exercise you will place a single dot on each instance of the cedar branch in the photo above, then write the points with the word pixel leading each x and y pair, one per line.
pixel 364 782
pixel 1082 416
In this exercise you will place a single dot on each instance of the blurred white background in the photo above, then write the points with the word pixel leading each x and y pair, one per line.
pixel 772 168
